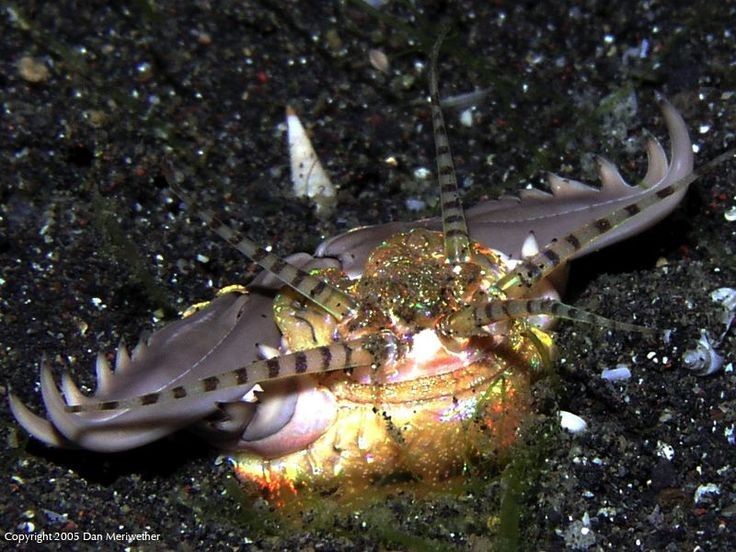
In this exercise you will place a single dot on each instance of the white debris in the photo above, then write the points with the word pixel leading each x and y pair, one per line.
pixel 703 360
pixel 665 450
pixel 308 178
pixel 727 298
pixel 422 173
pixel 379 60
pixel 706 491
pixel 464 101
pixel 415 204
pixel 620 373
pixel 730 434
pixel 572 422
pixel 466 118
pixel 579 535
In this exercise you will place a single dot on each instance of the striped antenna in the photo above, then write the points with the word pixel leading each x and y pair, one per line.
pixel 530 271
pixel 454 227
pixel 338 303
pixel 374 350
pixel 471 320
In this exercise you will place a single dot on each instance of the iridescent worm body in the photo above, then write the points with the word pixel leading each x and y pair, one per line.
pixel 400 348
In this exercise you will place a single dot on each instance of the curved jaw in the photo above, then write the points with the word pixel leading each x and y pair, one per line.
pixel 180 352
pixel 35 425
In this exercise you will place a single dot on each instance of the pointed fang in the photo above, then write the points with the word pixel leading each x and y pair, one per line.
pixel 122 358
pixel 530 246
pixel 141 347
pixel 657 163
pixel 72 394
pixel 39 427
pixel 266 351
pixel 104 374
pixel 609 175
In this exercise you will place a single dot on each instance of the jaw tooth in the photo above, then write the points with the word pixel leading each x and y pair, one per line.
pixel 566 187
pixel 104 374
pixel 141 347
pixel 251 396
pixel 37 426
pixel 72 394
pixel 658 164
pixel 308 178
pixel 530 246
pixel 609 175
pixel 266 351
pixel 122 359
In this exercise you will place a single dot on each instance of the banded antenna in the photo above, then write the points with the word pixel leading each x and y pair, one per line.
pixel 454 227
pixel 335 301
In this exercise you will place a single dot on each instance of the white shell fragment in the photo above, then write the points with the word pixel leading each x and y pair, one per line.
pixel 308 178
pixel 707 490
pixel 579 535
pixel 379 60
pixel 703 360
pixel 466 117
pixel 572 422
pixel 620 373
pixel 730 434
pixel 466 100
pixel 665 450
pixel 727 298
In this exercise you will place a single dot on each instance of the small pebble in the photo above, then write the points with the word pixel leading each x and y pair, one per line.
pixel 33 70
pixel 379 60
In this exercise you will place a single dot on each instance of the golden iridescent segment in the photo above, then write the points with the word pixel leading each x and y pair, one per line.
pixel 432 409
pixel 408 279
pixel 454 227
pixel 422 431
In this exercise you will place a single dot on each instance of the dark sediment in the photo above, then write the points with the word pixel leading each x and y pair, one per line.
pixel 95 100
